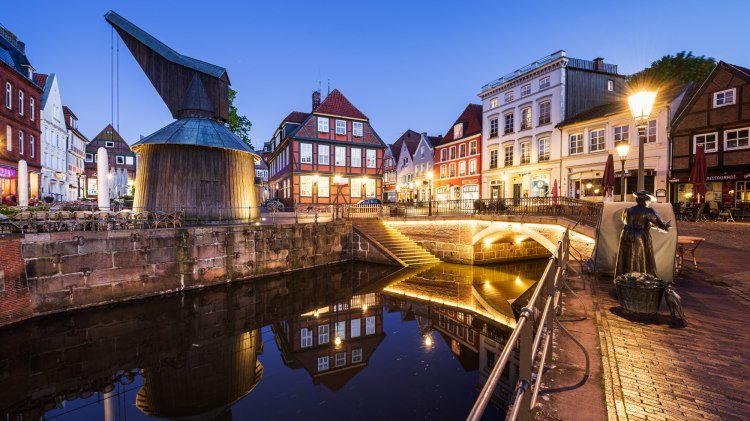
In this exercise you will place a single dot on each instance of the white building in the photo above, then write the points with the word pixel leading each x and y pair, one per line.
pixel 522 146
pixel 405 166
pixel 592 135
pixel 54 139
pixel 417 158
pixel 76 150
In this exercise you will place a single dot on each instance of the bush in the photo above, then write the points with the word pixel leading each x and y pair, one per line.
pixel 48 199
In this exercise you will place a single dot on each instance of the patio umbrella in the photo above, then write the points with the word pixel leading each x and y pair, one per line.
pixel 698 173
pixel 608 179
pixel 554 193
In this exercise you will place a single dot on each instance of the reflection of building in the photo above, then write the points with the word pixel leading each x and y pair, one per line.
pixel 458 159
pixel 592 135
pixel 309 341
pixel 122 163
pixel 716 116
pixel 19 116
pixel 76 183
pixel 390 171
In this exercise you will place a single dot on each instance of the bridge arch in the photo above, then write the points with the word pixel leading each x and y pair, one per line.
pixel 513 232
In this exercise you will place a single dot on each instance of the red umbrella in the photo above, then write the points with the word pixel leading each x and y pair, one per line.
pixel 554 193
pixel 698 173
pixel 608 179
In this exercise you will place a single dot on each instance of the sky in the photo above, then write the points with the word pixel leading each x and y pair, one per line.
pixel 405 64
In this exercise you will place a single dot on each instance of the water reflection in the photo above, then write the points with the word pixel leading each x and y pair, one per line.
pixel 211 354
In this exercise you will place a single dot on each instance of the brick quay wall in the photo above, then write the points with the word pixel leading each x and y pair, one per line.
pixel 51 272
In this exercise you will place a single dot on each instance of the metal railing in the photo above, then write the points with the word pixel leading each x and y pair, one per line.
pixel 533 334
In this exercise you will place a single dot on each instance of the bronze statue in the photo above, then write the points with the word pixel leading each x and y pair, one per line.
pixel 636 252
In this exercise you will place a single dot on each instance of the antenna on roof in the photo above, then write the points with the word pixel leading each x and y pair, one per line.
pixel 329 87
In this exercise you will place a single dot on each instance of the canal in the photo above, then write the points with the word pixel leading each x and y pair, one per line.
pixel 348 341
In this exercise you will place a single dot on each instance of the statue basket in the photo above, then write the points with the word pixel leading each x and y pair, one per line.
pixel 639 293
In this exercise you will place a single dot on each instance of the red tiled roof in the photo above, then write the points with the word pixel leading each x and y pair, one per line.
pixel 40 79
pixel 337 104
pixel 472 121
pixel 296 117
pixel 408 136
pixel 435 140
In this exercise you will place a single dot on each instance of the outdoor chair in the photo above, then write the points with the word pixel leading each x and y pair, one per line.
pixel 159 218
pixel 121 220
pixel 82 220
pixel 140 219
pixel 101 220
pixel 713 210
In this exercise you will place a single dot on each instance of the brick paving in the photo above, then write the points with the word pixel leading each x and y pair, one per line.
pixel 655 369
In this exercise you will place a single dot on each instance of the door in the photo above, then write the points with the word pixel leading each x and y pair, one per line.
pixel 516 193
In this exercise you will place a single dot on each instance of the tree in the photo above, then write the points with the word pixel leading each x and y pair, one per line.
pixel 238 124
pixel 680 68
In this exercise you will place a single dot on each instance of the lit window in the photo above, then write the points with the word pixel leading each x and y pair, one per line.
pixel 462 168
pixel 545 109
pixel 508 156
pixel 493 103
pixel 323 157
pixel 9 137
pixel 323 334
pixel 576 144
pixel 305 152
pixel 493 128
pixel 305 337
pixel 340 127
pixel 324 188
pixel 357 128
pixel 370 325
pixel 723 98
pixel 357 355
pixel 472 167
pixel 340 156
pixel 356 157
pixel 526 118
pixel 596 140
pixel 458 131
pixel 736 139
pixel 323 124
pixel 371 158
pixel 493 159
pixel 544 83
pixel 651 132
pixel 340 329
pixel 708 141
pixel 119 159
pixel 305 185
pixel 443 171
pixel 508 123
pixel 543 144
pixel 473 148
pixel 525 152
pixel 525 90
pixel 452 170
pixel 355 328
pixel 322 363
pixel 340 359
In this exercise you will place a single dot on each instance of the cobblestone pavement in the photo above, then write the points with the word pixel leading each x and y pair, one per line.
pixel 656 369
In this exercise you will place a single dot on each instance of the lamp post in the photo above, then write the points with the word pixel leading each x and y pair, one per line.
pixel 429 179
pixel 641 104
pixel 337 182
pixel 316 178
pixel 623 147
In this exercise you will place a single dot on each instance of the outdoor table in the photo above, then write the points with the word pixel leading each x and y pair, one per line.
pixel 687 244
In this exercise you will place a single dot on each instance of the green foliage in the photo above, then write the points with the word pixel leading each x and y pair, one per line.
pixel 239 124
pixel 680 68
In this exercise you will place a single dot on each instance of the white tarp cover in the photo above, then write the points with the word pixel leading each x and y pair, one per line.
pixel 608 239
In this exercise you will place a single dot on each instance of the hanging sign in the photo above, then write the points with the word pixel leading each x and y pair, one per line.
pixel 8 172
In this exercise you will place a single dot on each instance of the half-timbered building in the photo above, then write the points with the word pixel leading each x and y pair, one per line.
pixel 327 157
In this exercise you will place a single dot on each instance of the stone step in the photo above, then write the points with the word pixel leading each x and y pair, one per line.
pixel 409 252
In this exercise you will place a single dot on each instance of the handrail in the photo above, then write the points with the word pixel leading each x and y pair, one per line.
pixel 548 288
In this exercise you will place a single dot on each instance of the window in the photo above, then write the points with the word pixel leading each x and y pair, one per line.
pixel 621 134
pixel 323 124
pixel 452 170
pixel 651 131
pixel 526 118
pixel 32 109
pixel 493 159
pixel 305 185
pixel 129 160
pixel 723 98
pixel 305 153
pixel 340 359
pixel 472 166
pixel 453 152
pixel 509 155
pixel 462 168
pixel 340 156
pixel 323 334
pixel 610 85
pixel 305 337
pixel 493 127
pixel 89 157
pixel 576 144
pixel 340 127
pixel 323 363
pixel 545 112
pixel 356 157
pixel 119 159
pixel 490 360
pixel 509 96
pixel 31 146
pixel 526 90
pixel 323 157
pixel 736 139
pixel 443 154
pixel 462 150
pixel 357 128
pixel 20 142
pixel 324 187
pixel 596 140
pixel 340 330
pixel 544 83
pixel 20 102
pixel 708 141
pixel 443 171
pixel 470 335
pixel 371 158
pixel 508 123
pixel 473 147
pixel 355 328
pixel 458 131
pixel 8 95
pixel 361 186
pixel 356 355
pixel 370 325
pixel 493 103
pixel 543 144
pixel 9 137
pixel 109 144
pixel 525 152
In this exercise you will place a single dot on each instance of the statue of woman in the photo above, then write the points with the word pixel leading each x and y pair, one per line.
pixel 636 252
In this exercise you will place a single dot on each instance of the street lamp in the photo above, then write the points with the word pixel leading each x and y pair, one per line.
pixel 430 175
pixel 641 104
pixel 337 183
pixel 623 147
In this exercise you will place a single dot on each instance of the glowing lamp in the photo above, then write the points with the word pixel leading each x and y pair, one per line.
pixel 641 104
pixel 623 147
pixel 337 341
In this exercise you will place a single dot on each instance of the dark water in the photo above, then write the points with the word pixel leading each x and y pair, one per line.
pixel 416 343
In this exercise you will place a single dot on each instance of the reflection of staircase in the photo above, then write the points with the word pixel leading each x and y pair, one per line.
pixel 393 242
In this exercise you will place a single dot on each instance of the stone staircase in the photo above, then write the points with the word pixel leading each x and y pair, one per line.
pixel 397 245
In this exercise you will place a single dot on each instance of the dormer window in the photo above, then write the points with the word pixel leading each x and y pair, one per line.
pixel 723 98
pixel 458 131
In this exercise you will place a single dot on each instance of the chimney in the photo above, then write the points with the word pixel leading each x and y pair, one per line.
pixel 315 100
pixel 599 64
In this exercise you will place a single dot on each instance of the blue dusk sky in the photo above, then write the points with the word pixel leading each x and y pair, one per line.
pixel 405 64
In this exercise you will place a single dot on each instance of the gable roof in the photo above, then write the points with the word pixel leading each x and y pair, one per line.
pixel 435 140
pixel 399 143
pixel 109 133
pixel 471 118
pixel 47 87
pixel 296 117
pixel 337 104
pixel 40 79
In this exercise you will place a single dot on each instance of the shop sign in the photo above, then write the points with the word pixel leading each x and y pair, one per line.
pixel 473 181
pixel 8 172
pixel 60 176
pixel 721 177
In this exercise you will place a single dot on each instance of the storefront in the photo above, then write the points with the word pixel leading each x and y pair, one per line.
pixel 540 185
pixel 589 185
pixel 497 189
pixel 727 189
pixel 8 182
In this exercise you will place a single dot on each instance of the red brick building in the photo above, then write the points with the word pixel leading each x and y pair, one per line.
pixel 122 163
pixel 20 131
pixel 458 159
pixel 329 156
